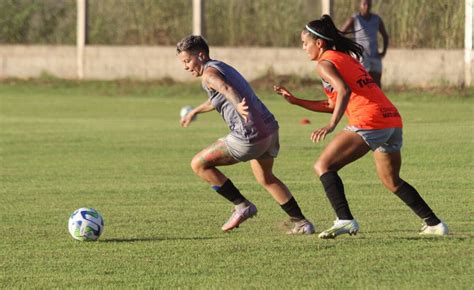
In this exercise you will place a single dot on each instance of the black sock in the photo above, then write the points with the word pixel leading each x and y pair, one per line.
pixel 292 208
pixel 230 192
pixel 334 188
pixel 412 198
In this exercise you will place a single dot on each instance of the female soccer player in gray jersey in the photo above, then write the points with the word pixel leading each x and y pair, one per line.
pixel 253 135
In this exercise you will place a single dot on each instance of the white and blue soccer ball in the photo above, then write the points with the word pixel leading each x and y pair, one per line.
pixel 185 110
pixel 86 224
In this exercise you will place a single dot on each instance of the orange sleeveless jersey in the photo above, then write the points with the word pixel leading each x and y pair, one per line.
pixel 368 107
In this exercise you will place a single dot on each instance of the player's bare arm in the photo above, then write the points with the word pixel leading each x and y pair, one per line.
pixel 202 108
pixel 213 79
pixel 324 106
pixel 348 25
pixel 385 38
pixel 328 72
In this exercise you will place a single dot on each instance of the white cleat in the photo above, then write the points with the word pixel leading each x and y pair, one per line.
pixel 440 229
pixel 303 227
pixel 239 216
pixel 340 227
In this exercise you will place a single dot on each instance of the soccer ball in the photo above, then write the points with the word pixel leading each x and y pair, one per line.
pixel 185 110
pixel 86 224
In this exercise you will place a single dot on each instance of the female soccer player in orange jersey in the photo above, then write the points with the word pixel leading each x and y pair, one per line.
pixel 374 124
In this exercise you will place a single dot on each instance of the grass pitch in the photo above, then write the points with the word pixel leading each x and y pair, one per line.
pixel 118 147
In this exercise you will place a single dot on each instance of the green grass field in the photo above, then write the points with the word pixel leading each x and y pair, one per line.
pixel 118 147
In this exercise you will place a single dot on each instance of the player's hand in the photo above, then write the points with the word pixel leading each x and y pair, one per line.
pixel 320 134
pixel 243 110
pixel 186 120
pixel 285 93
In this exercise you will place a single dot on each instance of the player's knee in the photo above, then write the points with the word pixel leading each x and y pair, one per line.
pixel 196 165
pixel 320 167
pixel 265 179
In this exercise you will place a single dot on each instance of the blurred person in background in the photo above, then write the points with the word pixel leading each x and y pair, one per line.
pixel 253 136
pixel 366 26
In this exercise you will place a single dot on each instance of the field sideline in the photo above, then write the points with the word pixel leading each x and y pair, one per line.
pixel 118 147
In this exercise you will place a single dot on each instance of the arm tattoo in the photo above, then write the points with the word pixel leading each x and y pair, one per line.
pixel 217 83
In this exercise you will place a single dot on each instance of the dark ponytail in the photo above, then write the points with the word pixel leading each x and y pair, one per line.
pixel 325 29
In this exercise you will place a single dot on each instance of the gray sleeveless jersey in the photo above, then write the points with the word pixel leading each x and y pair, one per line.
pixel 260 124
pixel 365 33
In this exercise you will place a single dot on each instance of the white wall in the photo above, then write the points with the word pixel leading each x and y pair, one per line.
pixel 422 67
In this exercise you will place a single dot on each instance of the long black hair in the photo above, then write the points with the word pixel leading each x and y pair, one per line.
pixel 324 28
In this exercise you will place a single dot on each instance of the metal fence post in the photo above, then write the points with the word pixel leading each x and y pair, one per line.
pixel 81 37
pixel 326 7
pixel 468 43
pixel 198 17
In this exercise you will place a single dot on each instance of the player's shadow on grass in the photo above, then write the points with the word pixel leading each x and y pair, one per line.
pixel 155 239
pixel 411 236
pixel 433 238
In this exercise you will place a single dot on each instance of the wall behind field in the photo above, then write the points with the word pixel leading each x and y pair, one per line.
pixel 417 67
